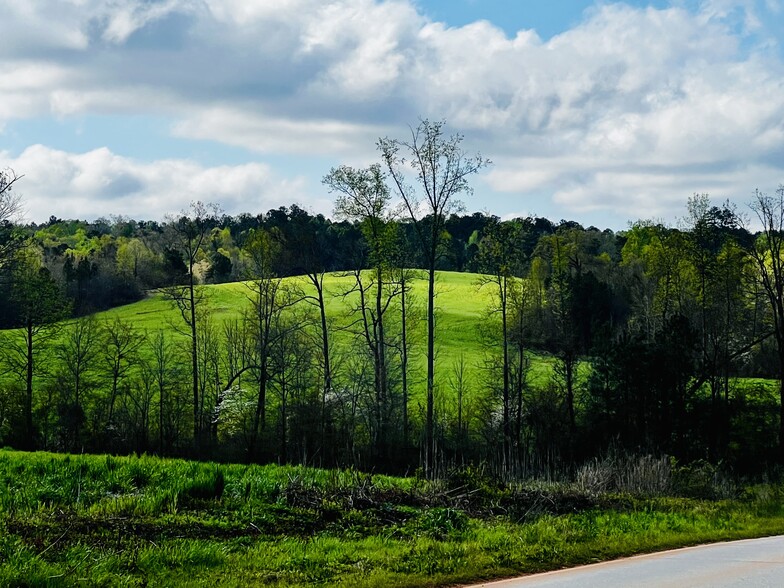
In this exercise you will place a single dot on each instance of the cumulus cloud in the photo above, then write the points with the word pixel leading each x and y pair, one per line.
pixel 278 135
pixel 632 109
pixel 101 183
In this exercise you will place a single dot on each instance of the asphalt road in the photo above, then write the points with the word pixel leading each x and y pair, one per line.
pixel 750 563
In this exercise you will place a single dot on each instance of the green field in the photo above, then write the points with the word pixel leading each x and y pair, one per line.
pixel 137 521
pixel 460 303
pixel 461 307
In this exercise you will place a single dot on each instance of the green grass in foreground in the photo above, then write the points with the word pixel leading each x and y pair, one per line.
pixel 136 521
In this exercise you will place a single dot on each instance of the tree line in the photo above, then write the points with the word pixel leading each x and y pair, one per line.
pixel 658 339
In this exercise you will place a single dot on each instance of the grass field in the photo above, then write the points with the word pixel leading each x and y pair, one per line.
pixel 460 303
pixel 137 521
pixel 461 308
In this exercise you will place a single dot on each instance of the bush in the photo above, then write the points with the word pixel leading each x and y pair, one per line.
pixel 701 479
pixel 644 474
pixel 440 523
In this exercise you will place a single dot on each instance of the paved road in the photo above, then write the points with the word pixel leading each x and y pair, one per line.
pixel 751 563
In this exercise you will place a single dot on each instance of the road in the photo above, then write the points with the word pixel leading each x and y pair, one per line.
pixel 750 563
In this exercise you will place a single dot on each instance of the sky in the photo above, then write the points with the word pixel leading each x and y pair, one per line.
pixel 600 112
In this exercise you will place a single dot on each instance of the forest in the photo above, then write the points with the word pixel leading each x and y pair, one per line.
pixel 658 340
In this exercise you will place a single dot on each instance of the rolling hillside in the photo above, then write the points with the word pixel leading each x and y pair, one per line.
pixel 461 309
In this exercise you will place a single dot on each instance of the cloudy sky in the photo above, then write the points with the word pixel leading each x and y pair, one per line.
pixel 600 112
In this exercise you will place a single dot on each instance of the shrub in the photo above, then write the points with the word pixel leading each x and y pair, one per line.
pixel 642 474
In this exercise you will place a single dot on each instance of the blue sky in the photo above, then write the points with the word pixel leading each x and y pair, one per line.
pixel 599 112
pixel 547 18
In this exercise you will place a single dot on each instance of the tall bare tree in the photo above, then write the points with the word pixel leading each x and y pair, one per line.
pixel 363 197
pixel 441 169
pixel 78 354
pixel 268 300
pixel 119 353
pixel 188 232
pixel 10 209
pixel 502 259
pixel 768 254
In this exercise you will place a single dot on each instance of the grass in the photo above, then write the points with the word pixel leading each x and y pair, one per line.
pixel 461 308
pixel 134 521
pixel 459 300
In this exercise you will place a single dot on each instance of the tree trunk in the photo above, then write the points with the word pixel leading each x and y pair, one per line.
pixel 194 363
pixel 781 398
pixel 382 398
pixel 404 362
pixel 505 338
pixel 259 418
pixel 429 418
pixel 29 433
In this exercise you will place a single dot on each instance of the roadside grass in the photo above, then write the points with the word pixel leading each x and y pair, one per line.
pixel 133 521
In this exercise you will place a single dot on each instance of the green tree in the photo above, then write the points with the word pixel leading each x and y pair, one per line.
pixel 38 305
pixel 135 262
pixel 721 268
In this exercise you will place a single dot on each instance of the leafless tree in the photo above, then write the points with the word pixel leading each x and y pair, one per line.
pixel 188 232
pixel 441 170
pixel 10 210
pixel 363 197
pixel 768 254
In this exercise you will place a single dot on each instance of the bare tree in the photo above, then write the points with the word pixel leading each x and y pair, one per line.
pixel 160 364
pixel 188 233
pixel 10 209
pixel 10 201
pixel 77 352
pixel 768 251
pixel 364 197
pixel 441 169
pixel 458 382
pixel 119 352
pixel 268 300
pixel 314 255
pixel 501 257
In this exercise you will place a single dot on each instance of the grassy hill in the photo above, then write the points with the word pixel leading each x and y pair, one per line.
pixel 460 301
pixel 461 309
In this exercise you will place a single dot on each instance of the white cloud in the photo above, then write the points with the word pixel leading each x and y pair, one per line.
pixel 101 183
pixel 278 135
pixel 124 17
pixel 632 109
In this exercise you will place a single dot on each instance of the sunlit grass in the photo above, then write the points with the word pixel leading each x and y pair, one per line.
pixel 461 308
